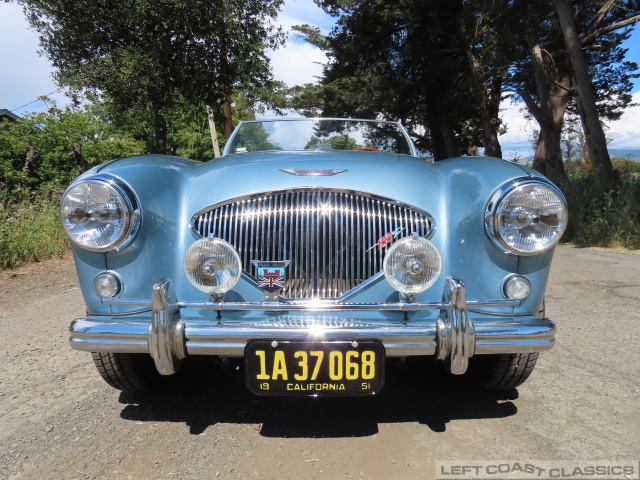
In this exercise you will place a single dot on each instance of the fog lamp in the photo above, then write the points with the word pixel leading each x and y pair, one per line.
pixel 517 287
pixel 412 265
pixel 212 265
pixel 107 285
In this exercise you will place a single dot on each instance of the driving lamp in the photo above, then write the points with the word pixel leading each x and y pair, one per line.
pixel 412 265
pixel 212 265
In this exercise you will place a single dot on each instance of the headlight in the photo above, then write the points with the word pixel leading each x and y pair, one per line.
pixel 99 214
pixel 412 265
pixel 212 265
pixel 526 217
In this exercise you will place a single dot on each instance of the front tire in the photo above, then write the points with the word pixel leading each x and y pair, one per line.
pixel 502 372
pixel 129 372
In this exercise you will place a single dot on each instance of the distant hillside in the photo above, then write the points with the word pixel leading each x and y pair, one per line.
pixel 631 153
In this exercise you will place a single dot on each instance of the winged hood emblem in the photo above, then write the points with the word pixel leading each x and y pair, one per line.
pixel 312 173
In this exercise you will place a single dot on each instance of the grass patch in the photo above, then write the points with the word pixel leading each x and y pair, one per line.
pixel 30 231
pixel 601 216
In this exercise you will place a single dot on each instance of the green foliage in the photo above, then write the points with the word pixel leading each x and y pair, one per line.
pixel 148 55
pixel 30 231
pixel 252 137
pixel 600 215
pixel 338 142
pixel 442 68
pixel 63 143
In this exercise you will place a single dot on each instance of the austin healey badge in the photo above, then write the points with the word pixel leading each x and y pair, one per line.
pixel 271 275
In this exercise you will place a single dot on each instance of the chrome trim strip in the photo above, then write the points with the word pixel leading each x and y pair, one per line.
pixel 313 306
pixel 122 314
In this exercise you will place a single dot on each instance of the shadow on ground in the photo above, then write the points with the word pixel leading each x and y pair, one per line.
pixel 207 393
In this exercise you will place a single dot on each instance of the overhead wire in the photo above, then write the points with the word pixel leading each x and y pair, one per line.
pixel 34 101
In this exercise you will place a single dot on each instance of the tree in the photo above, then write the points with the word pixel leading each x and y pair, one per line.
pixel 403 60
pixel 188 128
pixel 542 74
pixel 594 133
pixel 484 27
pixel 443 68
pixel 144 54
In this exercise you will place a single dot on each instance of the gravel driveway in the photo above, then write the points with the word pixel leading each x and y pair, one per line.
pixel 59 420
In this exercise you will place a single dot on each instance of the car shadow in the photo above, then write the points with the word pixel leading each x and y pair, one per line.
pixel 207 392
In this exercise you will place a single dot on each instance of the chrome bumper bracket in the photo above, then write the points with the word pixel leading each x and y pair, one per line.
pixel 455 330
pixel 166 331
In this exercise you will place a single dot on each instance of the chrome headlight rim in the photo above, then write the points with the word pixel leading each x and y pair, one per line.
pixel 492 220
pixel 130 202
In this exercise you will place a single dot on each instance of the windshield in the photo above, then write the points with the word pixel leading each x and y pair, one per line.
pixel 319 134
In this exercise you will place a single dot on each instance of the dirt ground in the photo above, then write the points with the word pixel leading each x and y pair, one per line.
pixel 59 420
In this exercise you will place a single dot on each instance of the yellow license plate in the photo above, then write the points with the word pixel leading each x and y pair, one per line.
pixel 329 368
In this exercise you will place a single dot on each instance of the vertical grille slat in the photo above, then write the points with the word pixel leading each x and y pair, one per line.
pixel 330 237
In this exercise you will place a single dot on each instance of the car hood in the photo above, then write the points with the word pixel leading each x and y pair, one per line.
pixel 415 181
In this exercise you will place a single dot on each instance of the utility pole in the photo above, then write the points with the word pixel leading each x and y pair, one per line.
pixel 214 135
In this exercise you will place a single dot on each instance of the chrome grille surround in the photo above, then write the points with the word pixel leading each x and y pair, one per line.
pixel 332 237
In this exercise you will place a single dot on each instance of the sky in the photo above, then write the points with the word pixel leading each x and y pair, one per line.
pixel 26 75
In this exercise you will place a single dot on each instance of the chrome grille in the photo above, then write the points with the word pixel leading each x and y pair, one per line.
pixel 332 237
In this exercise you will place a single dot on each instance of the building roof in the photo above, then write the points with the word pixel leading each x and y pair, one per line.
pixel 4 113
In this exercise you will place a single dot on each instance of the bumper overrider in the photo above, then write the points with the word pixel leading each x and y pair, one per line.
pixel 169 338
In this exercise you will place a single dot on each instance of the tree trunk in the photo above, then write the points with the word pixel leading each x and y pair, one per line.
pixel 490 125
pixel 550 116
pixel 593 131
pixel 228 119
pixel 76 154
pixel 435 138
pixel 553 95
pixel 548 156
pixel 161 135
pixel 448 136
pixel 30 161
pixel 489 113
pixel 443 140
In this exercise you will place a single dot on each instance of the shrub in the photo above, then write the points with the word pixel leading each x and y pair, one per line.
pixel 604 216
pixel 30 231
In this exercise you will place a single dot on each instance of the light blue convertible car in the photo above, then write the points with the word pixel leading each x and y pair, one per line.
pixel 313 249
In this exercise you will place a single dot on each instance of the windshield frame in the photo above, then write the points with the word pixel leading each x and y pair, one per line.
pixel 412 147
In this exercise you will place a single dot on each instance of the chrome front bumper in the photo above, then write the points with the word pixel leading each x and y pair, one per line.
pixel 169 338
